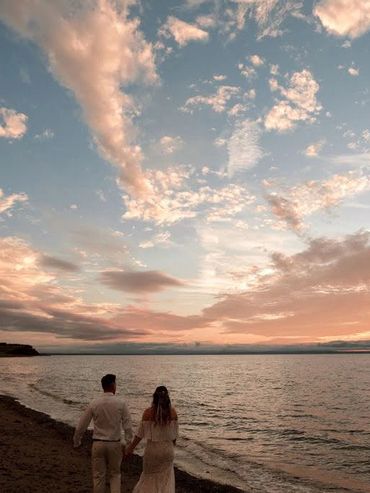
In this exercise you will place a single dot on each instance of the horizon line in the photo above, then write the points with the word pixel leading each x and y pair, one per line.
pixel 206 353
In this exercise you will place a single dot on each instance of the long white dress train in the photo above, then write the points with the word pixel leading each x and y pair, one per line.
pixel 158 474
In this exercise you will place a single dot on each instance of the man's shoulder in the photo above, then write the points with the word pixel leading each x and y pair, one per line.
pixel 95 401
pixel 100 399
pixel 104 400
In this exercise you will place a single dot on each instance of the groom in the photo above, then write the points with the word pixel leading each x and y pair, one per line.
pixel 109 415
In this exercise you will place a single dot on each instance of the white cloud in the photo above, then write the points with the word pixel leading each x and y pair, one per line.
pixel 101 195
pixel 232 257
pixel 237 109
pixel 269 15
pixel 219 77
pixel 47 134
pixel 220 142
pixel 206 21
pixel 163 239
pixel 274 85
pixel 94 53
pixel 300 103
pixel 8 202
pixel 292 205
pixel 247 72
pixel 256 60
pixel 244 147
pixel 344 17
pixel 13 125
pixel 182 32
pixel 283 117
pixel 353 71
pixel 195 3
pixel 175 199
pixel 358 160
pixel 170 144
pixel 217 101
pixel 313 149
pixel 366 135
pixel 274 69
pixel 251 94
pixel 357 142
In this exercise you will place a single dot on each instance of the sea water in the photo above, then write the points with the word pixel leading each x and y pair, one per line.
pixel 266 423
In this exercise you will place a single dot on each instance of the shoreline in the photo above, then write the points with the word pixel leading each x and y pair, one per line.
pixel 36 455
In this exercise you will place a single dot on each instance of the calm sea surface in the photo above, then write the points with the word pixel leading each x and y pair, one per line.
pixel 276 423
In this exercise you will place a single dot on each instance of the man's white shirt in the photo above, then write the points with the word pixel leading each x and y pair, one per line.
pixel 110 415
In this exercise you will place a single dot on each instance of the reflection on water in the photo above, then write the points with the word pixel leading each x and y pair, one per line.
pixel 297 423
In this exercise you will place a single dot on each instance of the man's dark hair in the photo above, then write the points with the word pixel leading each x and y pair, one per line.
pixel 108 380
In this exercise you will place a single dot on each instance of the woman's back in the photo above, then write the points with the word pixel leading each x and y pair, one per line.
pixel 158 432
pixel 150 415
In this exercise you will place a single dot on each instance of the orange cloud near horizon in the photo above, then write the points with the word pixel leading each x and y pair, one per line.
pixel 318 294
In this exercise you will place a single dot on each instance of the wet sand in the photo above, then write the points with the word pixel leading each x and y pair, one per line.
pixel 36 456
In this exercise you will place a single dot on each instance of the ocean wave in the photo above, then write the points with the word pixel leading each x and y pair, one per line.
pixel 56 397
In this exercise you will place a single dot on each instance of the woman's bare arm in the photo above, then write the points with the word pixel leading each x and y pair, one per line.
pixel 130 449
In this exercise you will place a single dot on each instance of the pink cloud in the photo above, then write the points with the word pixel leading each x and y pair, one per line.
pixel 299 103
pixel 138 318
pixel 217 101
pixel 294 204
pixel 93 53
pixel 33 302
pixel 55 263
pixel 316 293
pixel 13 125
pixel 314 149
pixel 169 144
pixel 175 199
pixel 344 17
pixel 7 202
pixel 139 281
pixel 183 32
pixel 268 15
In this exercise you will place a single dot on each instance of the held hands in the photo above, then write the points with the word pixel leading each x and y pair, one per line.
pixel 132 446
pixel 127 451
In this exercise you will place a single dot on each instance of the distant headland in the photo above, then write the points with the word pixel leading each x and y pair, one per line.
pixel 17 350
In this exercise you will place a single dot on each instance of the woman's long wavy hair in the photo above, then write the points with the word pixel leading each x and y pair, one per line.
pixel 161 405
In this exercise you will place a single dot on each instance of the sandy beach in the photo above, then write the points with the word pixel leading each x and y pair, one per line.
pixel 36 456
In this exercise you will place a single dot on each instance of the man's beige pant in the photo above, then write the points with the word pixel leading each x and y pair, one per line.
pixel 106 461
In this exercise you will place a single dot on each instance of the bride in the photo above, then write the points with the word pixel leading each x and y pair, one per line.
pixel 159 427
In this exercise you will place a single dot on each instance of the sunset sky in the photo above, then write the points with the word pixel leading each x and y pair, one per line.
pixel 193 172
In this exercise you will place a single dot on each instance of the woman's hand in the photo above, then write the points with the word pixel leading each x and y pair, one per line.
pixel 130 449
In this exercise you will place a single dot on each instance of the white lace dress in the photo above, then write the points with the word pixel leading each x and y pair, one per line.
pixel 158 474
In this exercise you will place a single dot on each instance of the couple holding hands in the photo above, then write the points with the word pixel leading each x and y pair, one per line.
pixel 158 426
